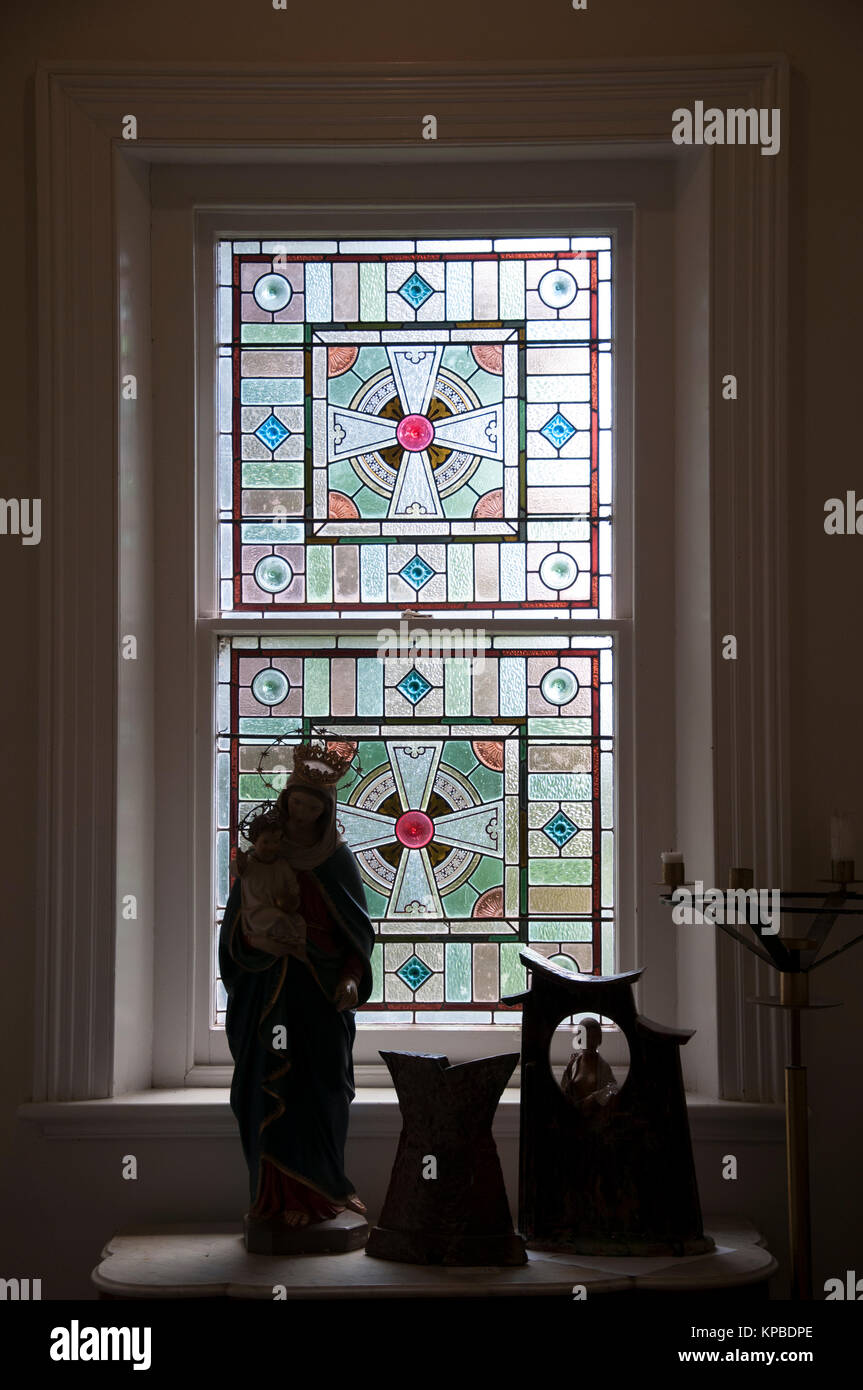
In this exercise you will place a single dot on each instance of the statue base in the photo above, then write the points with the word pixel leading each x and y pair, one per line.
pixel 272 1236
pixel 430 1248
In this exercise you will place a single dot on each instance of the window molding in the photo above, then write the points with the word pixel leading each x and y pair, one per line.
pixel 190 113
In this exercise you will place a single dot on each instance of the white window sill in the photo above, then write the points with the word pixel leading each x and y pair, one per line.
pixel 204 1112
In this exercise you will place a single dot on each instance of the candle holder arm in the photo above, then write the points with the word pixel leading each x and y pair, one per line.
pixel 837 952
pixel 750 946
pixel 826 918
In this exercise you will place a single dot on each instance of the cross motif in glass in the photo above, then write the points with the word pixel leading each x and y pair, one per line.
pixel 469 434
pixel 403 803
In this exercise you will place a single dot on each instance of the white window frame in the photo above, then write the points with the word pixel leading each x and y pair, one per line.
pixel 98 1031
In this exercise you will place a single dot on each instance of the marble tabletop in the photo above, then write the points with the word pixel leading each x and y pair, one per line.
pixel 210 1261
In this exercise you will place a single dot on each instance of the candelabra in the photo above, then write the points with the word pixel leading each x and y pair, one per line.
pixel 794 957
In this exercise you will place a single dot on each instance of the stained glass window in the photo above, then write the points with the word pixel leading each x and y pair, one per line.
pixel 426 425
pixel 415 422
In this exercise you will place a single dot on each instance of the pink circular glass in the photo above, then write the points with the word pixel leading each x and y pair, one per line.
pixel 415 432
pixel 414 829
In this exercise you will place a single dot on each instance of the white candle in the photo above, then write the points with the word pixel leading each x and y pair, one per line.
pixel 673 872
pixel 841 837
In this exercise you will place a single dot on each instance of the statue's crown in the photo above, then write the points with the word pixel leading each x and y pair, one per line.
pixel 322 764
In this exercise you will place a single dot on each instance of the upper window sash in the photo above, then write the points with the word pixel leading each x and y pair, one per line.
pixel 415 422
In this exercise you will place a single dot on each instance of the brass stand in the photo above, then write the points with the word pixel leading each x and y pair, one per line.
pixel 797 1165
pixel 794 958
pixel 794 996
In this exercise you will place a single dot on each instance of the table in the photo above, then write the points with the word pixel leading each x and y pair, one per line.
pixel 210 1261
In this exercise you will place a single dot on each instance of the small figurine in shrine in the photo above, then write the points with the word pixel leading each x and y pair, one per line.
pixel 588 1080
pixel 602 1169
pixel 270 893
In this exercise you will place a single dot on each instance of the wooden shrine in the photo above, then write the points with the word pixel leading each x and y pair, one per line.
pixel 613 1173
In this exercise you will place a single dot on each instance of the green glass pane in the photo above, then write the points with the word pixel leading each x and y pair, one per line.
pixel 458 972
pixel 370 360
pixel 271 333
pixel 458 358
pixel 457 686
pixel 377 903
pixel 377 964
pixel 575 725
pixel 512 289
pixel 319 296
pixel 316 686
pixel 513 690
pixel 459 575
pixel 283 533
pixel 223 782
pixel 607 948
pixel 560 931
pixel 560 871
pixel 606 785
pixel 460 902
pixel 488 782
pixel 575 786
pixel 343 478
pixel 565 961
pixel 372 753
pixel 607 852
pixel 272 475
pixel 458 753
pixel 487 874
pixel 223 851
pixel 370 687
pixel 271 728
pixel 513 975
pixel 319 567
pixel 372 292
pixel 342 389
pixel 370 504
pixel 486 478
pixel 487 387
pixel 373 574
pixel 271 391
pixel 252 787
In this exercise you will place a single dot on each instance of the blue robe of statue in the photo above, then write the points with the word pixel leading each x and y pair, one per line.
pixel 292 1102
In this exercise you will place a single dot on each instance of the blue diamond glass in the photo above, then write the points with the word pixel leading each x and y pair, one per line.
pixel 560 829
pixel 558 430
pixel 271 432
pixel 414 686
pixel 416 572
pixel 415 291
pixel 414 972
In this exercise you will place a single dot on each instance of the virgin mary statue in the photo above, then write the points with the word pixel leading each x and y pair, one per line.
pixel 290 1017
